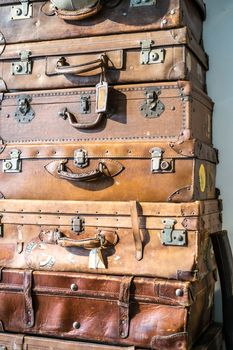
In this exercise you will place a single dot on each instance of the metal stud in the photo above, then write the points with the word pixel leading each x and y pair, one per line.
pixel 74 287
pixel 179 293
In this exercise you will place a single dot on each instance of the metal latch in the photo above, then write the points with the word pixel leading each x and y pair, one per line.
pixel 149 55
pixel 173 237
pixel 24 66
pixel 80 158
pixel 137 3
pixel 77 224
pixel 85 105
pixel 2 347
pixel 24 113
pixel 22 10
pixel 152 107
pixel 13 165
pixel 159 165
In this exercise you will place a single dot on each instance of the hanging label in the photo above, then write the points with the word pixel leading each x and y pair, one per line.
pixel 96 260
pixel 101 97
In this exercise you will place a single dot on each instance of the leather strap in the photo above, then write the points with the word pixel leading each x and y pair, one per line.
pixel 136 229
pixel 28 307
pixel 170 342
pixel 123 303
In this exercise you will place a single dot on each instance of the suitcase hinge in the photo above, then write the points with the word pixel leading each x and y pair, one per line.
pixel 24 113
pixel 80 158
pixel 13 165
pixel 152 107
pixel 77 224
pixel 24 66
pixel 138 3
pixel 22 10
pixel 171 236
pixel 159 165
pixel 149 56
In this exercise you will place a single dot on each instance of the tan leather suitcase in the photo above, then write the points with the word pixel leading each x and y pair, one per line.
pixel 166 55
pixel 211 340
pixel 147 239
pixel 144 171
pixel 156 111
pixel 34 20
pixel 142 312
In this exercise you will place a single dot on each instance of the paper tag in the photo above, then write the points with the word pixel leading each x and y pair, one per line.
pixel 101 97
pixel 96 259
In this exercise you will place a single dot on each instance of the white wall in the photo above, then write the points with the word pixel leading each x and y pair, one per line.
pixel 218 42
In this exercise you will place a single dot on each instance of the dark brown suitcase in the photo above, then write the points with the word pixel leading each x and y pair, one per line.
pixel 143 312
pixel 165 55
pixel 212 339
pixel 143 171
pixel 29 20
pixel 164 240
pixel 158 111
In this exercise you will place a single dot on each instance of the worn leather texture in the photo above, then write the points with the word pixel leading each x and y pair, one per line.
pixel 212 339
pixel 143 171
pixel 156 111
pixel 49 236
pixel 106 309
pixel 125 58
pixel 112 19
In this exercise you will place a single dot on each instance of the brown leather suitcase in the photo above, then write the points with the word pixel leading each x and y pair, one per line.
pixel 34 20
pixel 211 340
pixel 124 238
pixel 143 171
pixel 142 312
pixel 157 111
pixel 165 55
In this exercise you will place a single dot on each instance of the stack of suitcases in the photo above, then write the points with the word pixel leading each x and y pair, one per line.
pixel 107 177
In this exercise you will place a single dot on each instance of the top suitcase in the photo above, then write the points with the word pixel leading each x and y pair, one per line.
pixel 33 20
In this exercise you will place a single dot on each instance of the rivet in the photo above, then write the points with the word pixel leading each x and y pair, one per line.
pixel 179 293
pixel 180 238
pixel 164 21
pixel 173 12
pixel 76 325
pixel 74 287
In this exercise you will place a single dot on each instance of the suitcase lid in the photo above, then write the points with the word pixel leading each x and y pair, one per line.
pixel 146 290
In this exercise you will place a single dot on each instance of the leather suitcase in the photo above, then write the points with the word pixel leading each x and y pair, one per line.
pixel 158 111
pixel 143 312
pixel 165 55
pixel 34 20
pixel 211 340
pixel 142 171
pixel 147 239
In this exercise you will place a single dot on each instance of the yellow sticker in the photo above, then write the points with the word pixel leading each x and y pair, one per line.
pixel 202 178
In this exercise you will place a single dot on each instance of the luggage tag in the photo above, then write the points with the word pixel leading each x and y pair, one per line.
pixel 96 260
pixel 101 94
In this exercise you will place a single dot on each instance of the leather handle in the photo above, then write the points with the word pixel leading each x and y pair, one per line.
pixel 78 15
pixel 66 114
pixel 63 67
pixel 103 239
pixel 91 175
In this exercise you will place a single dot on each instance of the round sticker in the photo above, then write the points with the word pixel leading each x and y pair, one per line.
pixel 202 178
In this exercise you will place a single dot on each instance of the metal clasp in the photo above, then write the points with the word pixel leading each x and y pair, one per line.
pixel 77 224
pixel 85 105
pixel 22 10
pixel 152 106
pixel 13 165
pixel 149 56
pixel 138 3
pixel 24 66
pixel 24 112
pixel 159 165
pixel 173 237
pixel 80 158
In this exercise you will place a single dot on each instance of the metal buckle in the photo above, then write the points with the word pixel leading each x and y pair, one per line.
pixel 22 10
pixel 85 104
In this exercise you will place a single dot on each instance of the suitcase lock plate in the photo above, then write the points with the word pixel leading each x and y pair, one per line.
pixel 22 67
pixel 24 113
pixel 158 164
pixel 13 165
pixel 138 3
pixel 149 55
pixel 152 107
pixel 22 10
pixel 80 158
pixel 85 105
pixel 77 224
pixel 171 236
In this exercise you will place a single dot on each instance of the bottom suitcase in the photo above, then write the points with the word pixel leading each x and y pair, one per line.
pixel 211 340
pixel 118 310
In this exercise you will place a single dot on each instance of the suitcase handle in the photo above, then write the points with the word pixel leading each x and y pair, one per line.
pixel 66 114
pixel 63 67
pixel 103 239
pixel 78 15
pixel 102 169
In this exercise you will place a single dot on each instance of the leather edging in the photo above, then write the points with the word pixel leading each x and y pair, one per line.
pixel 174 341
pixel 123 303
